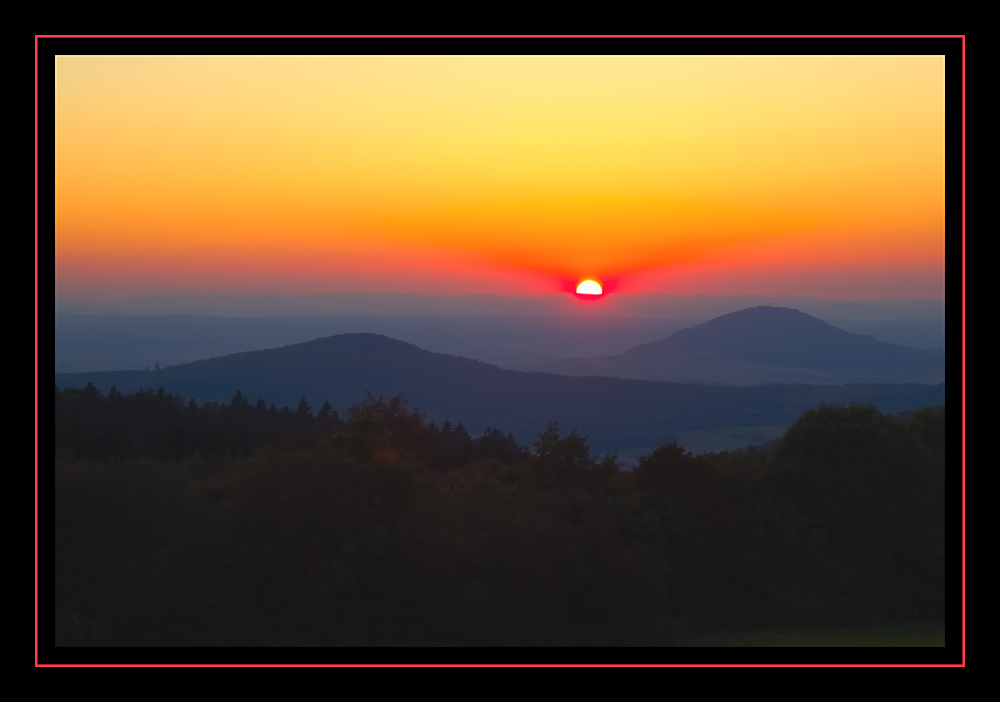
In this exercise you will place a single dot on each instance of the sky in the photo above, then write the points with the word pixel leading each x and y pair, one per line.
pixel 813 176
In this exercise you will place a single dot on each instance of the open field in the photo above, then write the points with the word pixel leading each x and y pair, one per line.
pixel 914 634
pixel 729 438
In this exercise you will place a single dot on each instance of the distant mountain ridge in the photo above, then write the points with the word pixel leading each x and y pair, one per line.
pixel 616 413
pixel 761 345
pixel 87 343
pixel 784 336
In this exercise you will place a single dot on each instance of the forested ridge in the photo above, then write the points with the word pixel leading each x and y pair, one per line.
pixel 615 413
pixel 246 524
pixel 160 425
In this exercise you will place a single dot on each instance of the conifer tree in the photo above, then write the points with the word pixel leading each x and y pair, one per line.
pixel 303 412
pixel 239 401
pixel 325 411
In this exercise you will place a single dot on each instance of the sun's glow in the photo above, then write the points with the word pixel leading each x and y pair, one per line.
pixel 588 287
pixel 254 174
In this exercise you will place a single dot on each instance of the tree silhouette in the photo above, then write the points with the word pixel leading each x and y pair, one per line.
pixel 568 453
pixel 327 415
pixel 303 413
pixel 239 401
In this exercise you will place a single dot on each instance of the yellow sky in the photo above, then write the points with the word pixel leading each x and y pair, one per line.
pixel 261 172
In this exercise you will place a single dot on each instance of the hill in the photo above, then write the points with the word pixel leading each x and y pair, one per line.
pixel 764 345
pixel 616 413
pixel 101 342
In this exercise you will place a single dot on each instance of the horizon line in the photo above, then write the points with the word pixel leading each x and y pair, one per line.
pixel 480 295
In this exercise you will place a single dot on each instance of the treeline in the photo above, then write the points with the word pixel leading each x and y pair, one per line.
pixel 354 535
pixel 162 426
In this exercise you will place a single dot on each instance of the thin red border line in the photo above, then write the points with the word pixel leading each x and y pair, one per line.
pixel 903 665
pixel 963 350
pixel 500 665
pixel 504 36
pixel 36 350
pixel 693 36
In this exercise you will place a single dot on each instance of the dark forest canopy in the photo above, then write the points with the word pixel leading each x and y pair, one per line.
pixel 160 425
pixel 309 528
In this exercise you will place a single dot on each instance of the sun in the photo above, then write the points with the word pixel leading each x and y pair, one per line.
pixel 589 287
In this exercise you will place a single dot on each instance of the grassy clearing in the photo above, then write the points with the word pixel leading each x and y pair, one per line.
pixel 917 634
pixel 729 438
pixel 724 439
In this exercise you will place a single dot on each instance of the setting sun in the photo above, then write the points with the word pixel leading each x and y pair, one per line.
pixel 489 174
pixel 588 287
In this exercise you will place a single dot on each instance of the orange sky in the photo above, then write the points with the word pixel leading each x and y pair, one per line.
pixel 774 175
